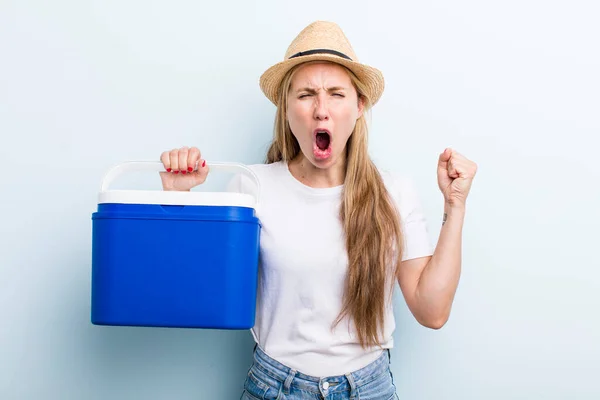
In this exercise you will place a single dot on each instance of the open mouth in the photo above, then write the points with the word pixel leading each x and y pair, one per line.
pixel 322 144
pixel 323 139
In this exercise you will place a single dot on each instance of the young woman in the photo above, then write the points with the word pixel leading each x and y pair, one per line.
pixel 336 232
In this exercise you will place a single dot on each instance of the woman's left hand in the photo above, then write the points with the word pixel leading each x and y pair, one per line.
pixel 455 175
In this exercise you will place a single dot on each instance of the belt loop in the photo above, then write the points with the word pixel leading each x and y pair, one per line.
pixel 288 382
pixel 353 394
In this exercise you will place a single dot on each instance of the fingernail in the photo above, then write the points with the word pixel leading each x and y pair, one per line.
pixel 175 172
pixel 168 169
pixel 183 172
pixel 203 163
pixel 190 169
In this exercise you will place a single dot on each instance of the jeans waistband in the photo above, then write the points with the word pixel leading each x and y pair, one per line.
pixel 288 376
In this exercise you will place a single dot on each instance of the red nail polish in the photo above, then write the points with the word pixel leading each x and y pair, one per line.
pixel 168 169
pixel 183 172
pixel 175 172
pixel 203 163
pixel 190 169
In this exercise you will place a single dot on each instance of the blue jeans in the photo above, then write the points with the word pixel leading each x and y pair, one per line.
pixel 270 380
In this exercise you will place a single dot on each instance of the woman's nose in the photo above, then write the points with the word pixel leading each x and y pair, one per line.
pixel 321 109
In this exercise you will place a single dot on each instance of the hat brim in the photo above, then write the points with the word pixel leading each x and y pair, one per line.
pixel 371 77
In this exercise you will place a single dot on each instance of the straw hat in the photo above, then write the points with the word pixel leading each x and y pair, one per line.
pixel 322 41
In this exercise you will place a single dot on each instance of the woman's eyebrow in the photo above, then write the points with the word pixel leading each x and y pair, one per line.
pixel 313 91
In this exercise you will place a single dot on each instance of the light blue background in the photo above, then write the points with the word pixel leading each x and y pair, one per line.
pixel 514 85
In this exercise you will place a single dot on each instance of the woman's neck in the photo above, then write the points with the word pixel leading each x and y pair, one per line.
pixel 304 171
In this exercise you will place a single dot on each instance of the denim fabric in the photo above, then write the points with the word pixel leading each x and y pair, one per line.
pixel 270 380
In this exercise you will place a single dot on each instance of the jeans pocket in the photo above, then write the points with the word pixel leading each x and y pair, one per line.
pixel 254 388
pixel 382 387
pixel 246 395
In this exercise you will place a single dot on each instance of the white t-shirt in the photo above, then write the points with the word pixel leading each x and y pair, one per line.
pixel 302 268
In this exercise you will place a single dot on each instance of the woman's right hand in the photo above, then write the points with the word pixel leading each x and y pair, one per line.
pixel 184 169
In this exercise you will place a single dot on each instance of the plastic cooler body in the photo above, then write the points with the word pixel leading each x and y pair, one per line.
pixel 174 266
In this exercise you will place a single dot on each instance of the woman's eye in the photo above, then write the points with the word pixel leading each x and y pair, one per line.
pixel 338 94
pixel 302 96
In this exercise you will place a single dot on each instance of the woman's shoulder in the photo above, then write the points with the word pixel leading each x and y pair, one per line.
pixel 263 172
pixel 397 182
pixel 267 173
pixel 263 168
pixel 403 189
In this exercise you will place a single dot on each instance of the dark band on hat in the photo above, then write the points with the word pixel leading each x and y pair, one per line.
pixel 320 51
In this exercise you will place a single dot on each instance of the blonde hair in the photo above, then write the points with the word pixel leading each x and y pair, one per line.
pixel 370 220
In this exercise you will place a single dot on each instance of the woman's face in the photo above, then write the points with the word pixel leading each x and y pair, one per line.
pixel 323 107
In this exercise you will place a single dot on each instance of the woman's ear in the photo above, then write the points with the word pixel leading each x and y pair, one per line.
pixel 361 106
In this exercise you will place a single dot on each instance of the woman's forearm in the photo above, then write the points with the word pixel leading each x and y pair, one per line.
pixel 439 279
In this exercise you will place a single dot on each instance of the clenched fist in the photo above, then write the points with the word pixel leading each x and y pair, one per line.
pixel 455 175
pixel 184 167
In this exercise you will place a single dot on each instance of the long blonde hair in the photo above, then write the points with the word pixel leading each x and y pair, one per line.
pixel 370 220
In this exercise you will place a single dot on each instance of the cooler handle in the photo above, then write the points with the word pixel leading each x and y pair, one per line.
pixel 157 166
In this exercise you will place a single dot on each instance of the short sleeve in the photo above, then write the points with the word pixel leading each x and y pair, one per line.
pixel 417 241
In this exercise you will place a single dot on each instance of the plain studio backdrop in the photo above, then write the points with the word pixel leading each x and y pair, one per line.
pixel 513 85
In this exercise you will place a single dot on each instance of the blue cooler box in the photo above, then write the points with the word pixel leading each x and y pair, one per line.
pixel 174 259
